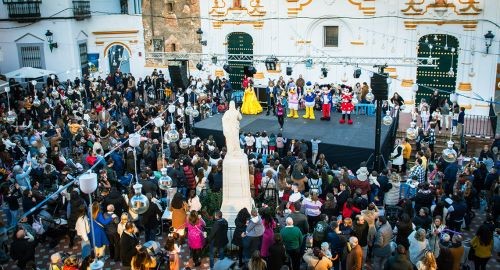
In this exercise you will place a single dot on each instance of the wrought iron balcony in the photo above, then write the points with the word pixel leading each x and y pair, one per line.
pixel 29 10
pixel 81 9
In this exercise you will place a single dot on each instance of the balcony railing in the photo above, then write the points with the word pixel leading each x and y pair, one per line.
pixel 24 10
pixel 81 9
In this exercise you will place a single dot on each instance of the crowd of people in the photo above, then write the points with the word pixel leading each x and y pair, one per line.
pixel 309 211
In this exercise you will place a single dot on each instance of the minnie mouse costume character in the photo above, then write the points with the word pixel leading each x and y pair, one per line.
pixel 326 101
pixel 346 105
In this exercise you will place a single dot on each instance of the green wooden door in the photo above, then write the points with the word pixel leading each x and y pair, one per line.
pixel 445 48
pixel 239 43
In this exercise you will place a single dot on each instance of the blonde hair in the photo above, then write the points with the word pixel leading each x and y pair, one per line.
pixel 429 260
pixel 95 209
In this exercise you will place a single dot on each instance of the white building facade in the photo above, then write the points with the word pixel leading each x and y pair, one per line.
pixel 93 37
pixel 362 29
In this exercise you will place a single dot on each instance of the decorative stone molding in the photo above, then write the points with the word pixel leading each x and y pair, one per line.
pixel 441 7
pixel 468 25
pixel 407 83
pixel 366 6
pixel 298 6
pixel 255 24
pixel 464 86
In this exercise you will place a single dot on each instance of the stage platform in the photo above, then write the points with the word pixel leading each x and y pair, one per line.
pixel 342 144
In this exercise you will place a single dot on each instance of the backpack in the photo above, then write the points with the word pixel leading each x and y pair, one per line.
pixel 314 187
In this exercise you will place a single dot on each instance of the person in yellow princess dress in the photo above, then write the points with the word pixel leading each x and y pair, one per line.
pixel 250 103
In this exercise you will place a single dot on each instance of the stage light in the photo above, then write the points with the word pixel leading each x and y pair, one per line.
pixel 227 68
pixel 214 60
pixel 324 71
pixel 357 73
pixel 199 66
pixel 308 63
pixel 289 71
pixel 271 63
pixel 251 70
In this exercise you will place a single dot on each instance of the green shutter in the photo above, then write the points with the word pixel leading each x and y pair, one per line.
pixel 238 43
pixel 437 77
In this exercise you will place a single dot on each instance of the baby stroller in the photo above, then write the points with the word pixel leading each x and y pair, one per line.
pixel 51 227
pixel 162 256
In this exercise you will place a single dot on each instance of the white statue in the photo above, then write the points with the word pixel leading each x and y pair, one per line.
pixel 231 129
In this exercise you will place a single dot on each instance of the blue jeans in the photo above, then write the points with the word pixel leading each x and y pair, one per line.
pixel 220 251
pixel 13 216
pixel 86 249
pixel 6 212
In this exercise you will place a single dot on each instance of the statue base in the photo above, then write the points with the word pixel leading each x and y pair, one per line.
pixel 236 186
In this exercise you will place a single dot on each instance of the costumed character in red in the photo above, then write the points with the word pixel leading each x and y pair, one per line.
pixel 346 105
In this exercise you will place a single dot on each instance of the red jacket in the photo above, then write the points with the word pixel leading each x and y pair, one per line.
pixel 348 211
pixel 189 174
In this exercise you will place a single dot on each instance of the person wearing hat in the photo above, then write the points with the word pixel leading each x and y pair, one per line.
pixel 361 182
pixel 309 99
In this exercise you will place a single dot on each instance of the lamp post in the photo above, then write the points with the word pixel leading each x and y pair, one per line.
pixel 138 203
pixel 199 32
pixel 88 184
pixel 488 39
pixel 50 38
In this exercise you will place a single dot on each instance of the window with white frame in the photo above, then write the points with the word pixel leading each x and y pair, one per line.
pixel 331 36
pixel 31 55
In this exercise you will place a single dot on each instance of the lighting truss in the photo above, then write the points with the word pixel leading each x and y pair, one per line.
pixel 295 59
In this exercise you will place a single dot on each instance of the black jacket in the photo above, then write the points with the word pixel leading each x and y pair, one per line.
pixel 127 248
pixel 151 218
pixel 277 256
pixel 398 262
pixel 218 233
pixel 22 251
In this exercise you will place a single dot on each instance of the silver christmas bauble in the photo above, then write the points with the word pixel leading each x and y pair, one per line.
pixel 173 135
pixel 370 97
pixel 139 203
pixel 184 143
pixel 11 117
pixel 165 182
pixel 387 120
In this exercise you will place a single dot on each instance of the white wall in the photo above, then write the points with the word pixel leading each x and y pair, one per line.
pixel 65 59
pixel 279 37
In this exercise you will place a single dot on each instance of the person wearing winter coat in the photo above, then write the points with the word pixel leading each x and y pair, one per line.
pixel 218 237
pixel 382 244
pixel 397 156
pixel 418 243
pixel 196 239
pixel 391 197
pixel 399 261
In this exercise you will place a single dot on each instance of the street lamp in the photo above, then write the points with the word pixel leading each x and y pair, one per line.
pixel 488 39
pixel 50 38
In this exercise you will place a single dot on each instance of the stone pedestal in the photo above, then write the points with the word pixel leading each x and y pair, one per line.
pixel 236 186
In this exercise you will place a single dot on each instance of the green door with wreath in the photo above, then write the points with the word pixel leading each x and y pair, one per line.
pixel 239 43
pixel 442 77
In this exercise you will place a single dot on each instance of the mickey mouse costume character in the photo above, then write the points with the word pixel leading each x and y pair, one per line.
pixel 309 99
pixel 346 105
pixel 293 102
pixel 326 101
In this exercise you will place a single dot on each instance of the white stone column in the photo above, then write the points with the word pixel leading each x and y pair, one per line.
pixel 236 186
